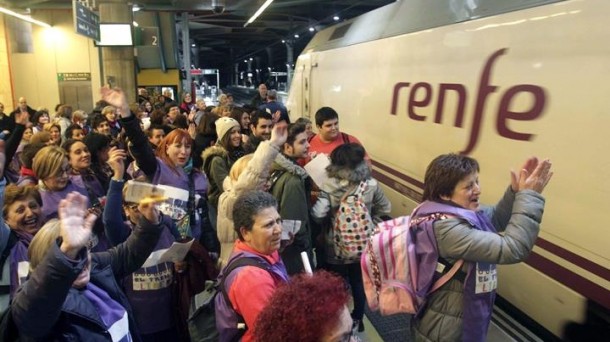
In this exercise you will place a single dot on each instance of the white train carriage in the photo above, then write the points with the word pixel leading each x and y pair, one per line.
pixel 500 81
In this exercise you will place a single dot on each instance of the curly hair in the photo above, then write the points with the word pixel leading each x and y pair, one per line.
pixel 308 307
pixel 247 206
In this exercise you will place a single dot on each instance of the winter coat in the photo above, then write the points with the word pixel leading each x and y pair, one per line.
pixel 253 177
pixel 292 190
pixel 346 181
pixel 446 315
pixel 48 308
pixel 216 165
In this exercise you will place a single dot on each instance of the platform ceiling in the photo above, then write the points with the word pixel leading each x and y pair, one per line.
pixel 222 38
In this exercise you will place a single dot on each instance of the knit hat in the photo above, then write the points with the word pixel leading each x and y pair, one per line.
pixel 224 125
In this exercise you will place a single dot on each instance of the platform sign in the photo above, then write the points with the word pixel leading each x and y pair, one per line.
pixel 73 76
pixel 86 22
pixel 210 71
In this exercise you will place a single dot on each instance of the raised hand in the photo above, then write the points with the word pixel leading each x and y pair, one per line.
pixel 22 118
pixel 116 97
pixel 534 175
pixel 529 165
pixel 116 161
pixel 75 229
pixel 192 130
pixel 279 134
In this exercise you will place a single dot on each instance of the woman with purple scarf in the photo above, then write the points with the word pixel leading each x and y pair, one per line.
pixel 55 182
pixel 170 165
pixel 72 294
pixel 460 310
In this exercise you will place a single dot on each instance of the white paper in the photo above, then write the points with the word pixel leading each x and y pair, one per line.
pixel 137 191
pixel 175 253
pixel 316 169
pixel 290 226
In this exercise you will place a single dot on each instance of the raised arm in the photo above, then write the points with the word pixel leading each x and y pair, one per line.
pixel 13 141
pixel 38 303
pixel 129 256
pixel 116 230
pixel 141 149
pixel 457 239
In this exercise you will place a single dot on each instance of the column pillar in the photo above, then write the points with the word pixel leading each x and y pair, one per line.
pixel 118 61
pixel 289 61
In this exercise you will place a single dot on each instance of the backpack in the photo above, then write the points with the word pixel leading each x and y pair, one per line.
pixel 401 264
pixel 352 225
pixel 202 314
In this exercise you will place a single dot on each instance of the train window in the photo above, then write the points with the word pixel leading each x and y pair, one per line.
pixel 340 31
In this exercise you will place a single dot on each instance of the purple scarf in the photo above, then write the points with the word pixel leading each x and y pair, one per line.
pixel 478 307
pixel 113 315
pixel 19 254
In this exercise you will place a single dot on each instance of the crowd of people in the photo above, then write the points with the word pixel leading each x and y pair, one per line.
pixel 74 247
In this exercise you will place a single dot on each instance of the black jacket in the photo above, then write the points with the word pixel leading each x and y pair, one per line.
pixel 48 308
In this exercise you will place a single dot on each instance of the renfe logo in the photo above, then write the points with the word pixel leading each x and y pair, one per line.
pixel 420 96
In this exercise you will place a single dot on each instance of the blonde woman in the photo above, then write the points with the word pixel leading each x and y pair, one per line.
pixel 72 294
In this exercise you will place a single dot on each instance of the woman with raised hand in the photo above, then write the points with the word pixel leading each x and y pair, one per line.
pixel 170 166
pixel 147 287
pixel 250 172
pixel 72 294
pixel 460 310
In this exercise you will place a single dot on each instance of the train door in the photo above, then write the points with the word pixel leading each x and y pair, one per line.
pixel 305 84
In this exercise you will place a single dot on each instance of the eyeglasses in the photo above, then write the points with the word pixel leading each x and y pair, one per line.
pixel 63 172
pixel 132 206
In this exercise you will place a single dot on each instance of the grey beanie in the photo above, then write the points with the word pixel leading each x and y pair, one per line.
pixel 225 124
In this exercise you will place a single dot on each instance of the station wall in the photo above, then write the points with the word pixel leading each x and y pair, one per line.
pixel 6 92
pixel 37 55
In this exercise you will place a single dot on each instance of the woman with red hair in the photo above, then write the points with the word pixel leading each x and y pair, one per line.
pixel 170 165
pixel 308 309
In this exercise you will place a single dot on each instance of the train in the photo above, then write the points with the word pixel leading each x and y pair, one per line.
pixel 499 81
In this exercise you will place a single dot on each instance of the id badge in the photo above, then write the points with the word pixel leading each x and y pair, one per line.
pixel 486 278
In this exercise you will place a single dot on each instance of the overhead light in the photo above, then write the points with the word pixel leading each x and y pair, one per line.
pixel 135 24
pixel 245 60
pixel 336 18
pixel 258 12
pixel 193 45
pixel 23 17
pixel 283 41
pixel 296 36
pixel 251 58
pixel 311 29
pixel 136 8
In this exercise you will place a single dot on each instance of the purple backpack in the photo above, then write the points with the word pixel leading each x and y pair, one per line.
pixel 400 266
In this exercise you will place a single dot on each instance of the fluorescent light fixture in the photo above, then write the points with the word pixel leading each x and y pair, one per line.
pixel 283 41
pixel 193 45
pixel 311 29
pixel 336 18
pixel 135 23
pixel 136 8
pixel 296 36
pixel 260 10
pixel 24 17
